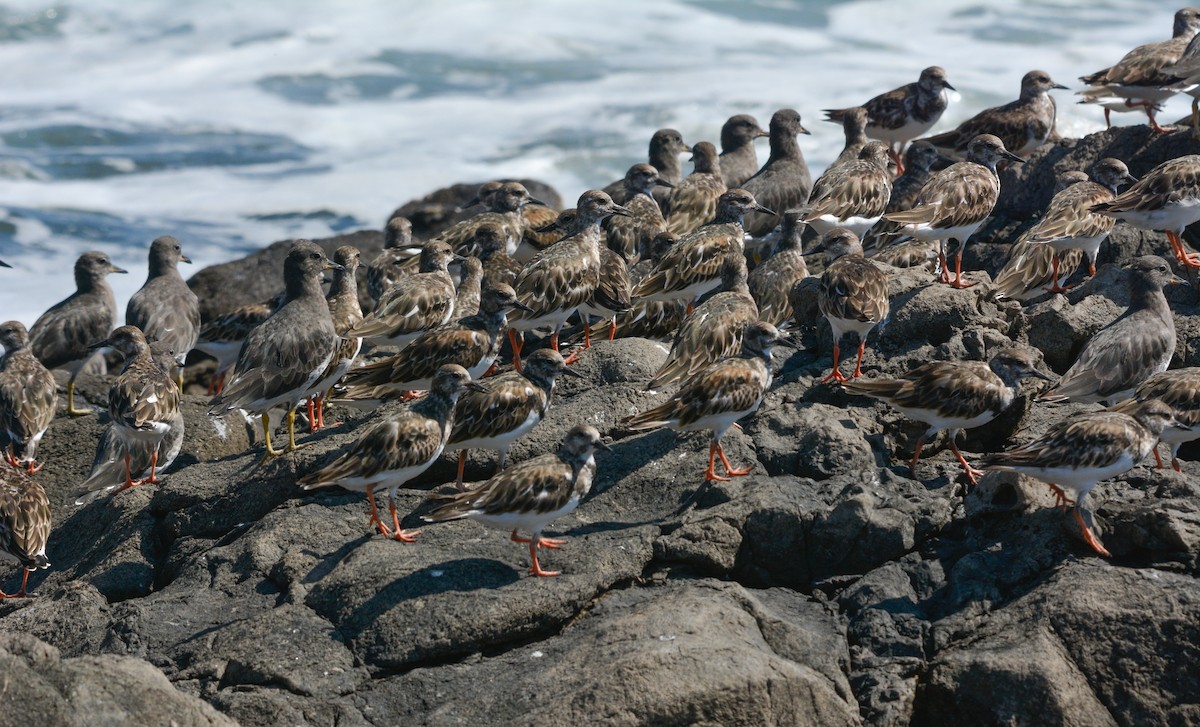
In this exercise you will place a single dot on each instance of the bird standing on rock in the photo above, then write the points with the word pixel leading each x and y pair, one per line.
pixel 631 236
pixel 25 522
pixel 1022 125
pixel 853 195
pixel 416 303
pixel 388 267
pixel 1166 198
pixel 346 312
pixel 853 295
pixel 28 398
pixel 694 200
pixel 784 181
pixel 1180 390
pixel 772 281
pixel 165 309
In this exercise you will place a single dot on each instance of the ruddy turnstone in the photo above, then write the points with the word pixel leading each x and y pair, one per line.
pixel 61 338
pixel 28 398
pixel 415 304
pixel 25 522
pixel 563 276
pixel 714 330
pixel 665 147
pixel 718 396
pixel 1180 390
pixel 854 126
pixel 470 287
pixel 902 114
pixel 536 217
pixel 784 181
pixel 772 280
pixel 1187 70
pixel 1140 77
pixel 1085 449
pixel 142 401
pixel 612 295
pixel 1131 349
pixel 1070 223
pixel 853 195
pixel 282 361
pixel 739 160
pixel 398 448
pixel 473 343
pixel 498 266
pixel 630 236
pixel 165 308
pixel 222 337
pixel 853 295
pixel 346 312
pixel 532 494
pixel 511 407
pixel 654 319
pixel 692 267
pixel 1022 125
pixel 953 395
pixel 1029 267
pixel 1166 198
pixel 504 205
pixel 388 267
pixel 954 203
pixel 694 200
pixel 919 161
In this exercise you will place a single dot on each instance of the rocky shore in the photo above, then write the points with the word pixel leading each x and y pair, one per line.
pixel 830 587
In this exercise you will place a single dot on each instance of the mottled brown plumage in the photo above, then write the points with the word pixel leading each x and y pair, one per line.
pixel 919 161
pixel 854 126
pixel 28 398
pixel 25 522
pixel 504 203
pixel 1166 198
pixel 1180 390
pixel 498 266
pixel 904 113
pixel 665 147
pixel 1023 125
pixel 772 281
pixel 143 401
pixel 693 202
pixel 416 303
pixel 784 181
pixel 631 236
pixel 853 195
pixel 389 266
pixel 853 295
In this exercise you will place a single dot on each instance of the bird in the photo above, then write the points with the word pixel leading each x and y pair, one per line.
pixel 655 319
pixel 165 308
pixel 1166 198
pixel 416 303
pixel 953 395
pixel 665 147
pixel 398 447
pixel 142 401
pixel 1131 349
pixel 472 342
pixel 1140 78
pixel 28 398
pixel 223 336
pixel 612 295
pixel 503 204
pixel 853 295
pixel 1180 390
pixel 25 522
pixel 1070 223
pixel 853 195
pixel 784 181
pixel 281 362
pixel 631 236
pixel 854 126
pixel 692 267
pixel 1078 452
pixel 388 267
pixel 514 403
pixel 1022 125
pixel 718 396
pixel 470 287
pixel 739 160
pixel 693 201
pixel 714 329
pixel 905 113
pixel 532 494
pixel 498 266
pixel 345 311
pixel 62 336
pixel 954 202
pixel 772 280
pixel 563 276
pixel 919 160
pixel 1187 71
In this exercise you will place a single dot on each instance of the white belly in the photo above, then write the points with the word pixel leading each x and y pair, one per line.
pixel 553 320
pixel 531 522
pixel 857 225
pixel 1079 481
pixel 501 442
pixel 1171 218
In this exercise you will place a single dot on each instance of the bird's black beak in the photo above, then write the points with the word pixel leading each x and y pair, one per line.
pixel 331 265
pixel 602 445
pixel 1040 375
pixel 476 386
pixel 1176 280
pixel 185 259
pixel 1130 179
pixel 533 200
pixel 474 201
pixel 100 344
pixel 684 149
pixel 946 84
pixel 760 134
pixel 547 228
pixel 1012 157
pixel 521 306
pixel 114 269
pixel 569 372
pixel 660 182
pixel 4 264
pixel 1058 86
pixel 622 211
pixel 758 207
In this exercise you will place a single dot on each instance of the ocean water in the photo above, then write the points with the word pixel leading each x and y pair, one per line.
pixel 231 125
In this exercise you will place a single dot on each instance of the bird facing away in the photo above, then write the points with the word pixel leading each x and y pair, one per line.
pixel 222 337
pixel 631 236
pixel 772 281
pixel 25 522
pixel 1022 125
pixel 532 494
pixel 853 195
pixel 346 312
pixel 165 309
pixel 28 398
pixel 1180 390
pixel 919 160
pixel 498 266
pixel 61 338
pixel 388 267
pixel 415 303
pixel 693 201
pixel 854 126
pixel 739 160
pixel 1166 198
pixel 853 295
pixel 784 181
pixel 953 395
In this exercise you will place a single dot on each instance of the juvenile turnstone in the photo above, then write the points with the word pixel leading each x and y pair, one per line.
pixel 1070 223
pixel 511 407
pixel 784 181
pixel 693 201
pixel 504 206
pixel 954 203
pixel 1079 452
pixel 902 114
pixel 142 401
pixel 692 267
pixel 1131 349
pixel 631 236
pixel 665 147
pixel 1187 70
pixel 919 161
pixel 398 448
pixel 388 267
pixel 61 338
pixel 563 276
pixel 222 337
pixel 718 396
pixel 1030 267
pixel 28 398
pixel 415 304
pixel 953 395
pixel 532 494
pixel 536 217
pixel 470 287
pixel 853 195
pixel 346 312
pixel 25 522
pixel 654 319
pixel 612 295
pixel 1166 198
pixel 714 330
pixel 739 160
pixel 772 280
pixel 1180 390
pixel 473 343
pixel 853 295
pixel 1140 77
pixel 282 360
pixel 498 266
pixel 1022 125
pixel 854 126
pixel 165 308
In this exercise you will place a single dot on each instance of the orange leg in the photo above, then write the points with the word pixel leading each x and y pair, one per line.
pixel 1185 258
pixel 554 342
pixel 898 161
pixel 691 307
pixel 312 416
pixel 1063 501
pixel 534 543
pixel 491 370
pixel 10 458
pixel 32 467
pixel 1175 465
pixel 1089 537
pixel 835 375
pixel 1156 457
pixel 958 278
pixel 862 346
pixel 1091 268
pixel 612 329
pixel 404 536
pixel 153 469
pixel 552 543
pixel 972 474
pixel 574 354
pixel 24 582
pixel 912 466
pixel 711 475
pixel 1054 286
pixel 462 463
pixel 375 519
pixel 517 339
pixel 725 461
pixel 587 332
pixel 129 481
pixel 943 263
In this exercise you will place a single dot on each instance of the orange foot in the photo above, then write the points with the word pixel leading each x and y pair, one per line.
pixel 1063 501
pixel 1090 538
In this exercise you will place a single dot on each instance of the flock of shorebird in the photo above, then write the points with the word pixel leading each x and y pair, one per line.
pixel 709 261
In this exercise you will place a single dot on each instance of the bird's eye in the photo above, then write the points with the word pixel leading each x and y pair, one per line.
pixel 315 256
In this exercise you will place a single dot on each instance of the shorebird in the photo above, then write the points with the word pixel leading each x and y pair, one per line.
pixel 853 195
pixel 854 126
pixel 1166 198
pixel 772 281
pixel 694 200
pixel 853 295
pixel 739 160
pixel 389 266
pixel 25 522
pixel 1180 390
pixel 346 312
pixel 665 147
pixel 631 236
pixel 165 308
pixel 784 181
pixel 1022 125
pixel 1032 266
pixel 416 303
pixel 28 398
